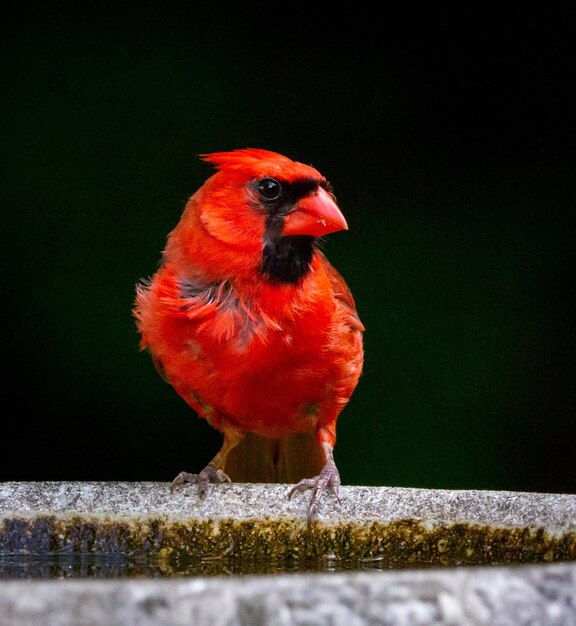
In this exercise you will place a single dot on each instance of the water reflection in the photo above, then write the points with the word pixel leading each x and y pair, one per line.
pixel 62 566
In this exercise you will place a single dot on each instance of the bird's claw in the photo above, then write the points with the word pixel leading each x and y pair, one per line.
pixel 327 480
pixel 209 475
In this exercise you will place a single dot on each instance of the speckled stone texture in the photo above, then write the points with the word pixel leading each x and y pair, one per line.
pixel 539 594
pixel 534 595
pixel 257 501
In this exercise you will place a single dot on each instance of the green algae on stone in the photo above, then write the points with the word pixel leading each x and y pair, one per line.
pixel 173 544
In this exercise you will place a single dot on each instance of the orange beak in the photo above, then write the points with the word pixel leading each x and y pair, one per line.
pixel 315 215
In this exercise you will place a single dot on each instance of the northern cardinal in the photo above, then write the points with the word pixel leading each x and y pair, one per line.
pixel 253 327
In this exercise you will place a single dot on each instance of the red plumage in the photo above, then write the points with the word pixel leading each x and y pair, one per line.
pixel 252 325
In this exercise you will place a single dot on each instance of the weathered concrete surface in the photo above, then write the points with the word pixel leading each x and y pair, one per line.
pixel 257 501
pixel 398 527
pixel 496 596
pixel 238 524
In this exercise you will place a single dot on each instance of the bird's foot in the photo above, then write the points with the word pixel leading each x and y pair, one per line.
pixel 207 476
pixel 327 480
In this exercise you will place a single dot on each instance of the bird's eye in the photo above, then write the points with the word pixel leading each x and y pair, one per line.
pixel 269 189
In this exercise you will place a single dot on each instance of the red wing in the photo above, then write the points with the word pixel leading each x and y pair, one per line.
pixel 160 368
pixel 343 294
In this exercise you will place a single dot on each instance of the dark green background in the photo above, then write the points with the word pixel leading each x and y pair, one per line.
pixel 448 135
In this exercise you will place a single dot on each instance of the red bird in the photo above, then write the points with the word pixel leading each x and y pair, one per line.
pixel 253 327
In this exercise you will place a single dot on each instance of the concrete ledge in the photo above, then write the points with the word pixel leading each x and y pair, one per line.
pixel 536 595
pixel 255 501
pixel 146 531
pixel 252 522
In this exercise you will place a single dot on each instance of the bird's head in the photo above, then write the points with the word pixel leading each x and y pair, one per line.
pixel 263 210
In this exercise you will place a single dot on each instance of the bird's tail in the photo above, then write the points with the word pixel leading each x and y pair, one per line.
pixel 259 460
